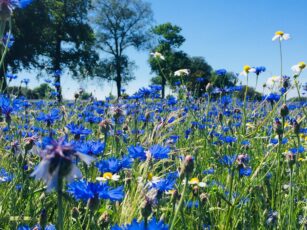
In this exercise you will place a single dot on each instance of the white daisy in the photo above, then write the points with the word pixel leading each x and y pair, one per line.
pixel 299 67
pixel 108 176
pixel 281 36
pixel 182 72
pixel 158 55
pixel 247 69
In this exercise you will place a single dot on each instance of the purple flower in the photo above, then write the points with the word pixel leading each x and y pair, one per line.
pixel 57 162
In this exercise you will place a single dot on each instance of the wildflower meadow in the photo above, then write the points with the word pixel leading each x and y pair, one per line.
pixel 210 154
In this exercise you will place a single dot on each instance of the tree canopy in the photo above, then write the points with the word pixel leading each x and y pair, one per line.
pixel 58 37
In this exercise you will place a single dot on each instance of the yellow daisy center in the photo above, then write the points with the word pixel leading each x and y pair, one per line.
pixel 246 68
pixel 301 65
pixel 194 181
pixel 280 33
pixel 107 175
pixel 149 176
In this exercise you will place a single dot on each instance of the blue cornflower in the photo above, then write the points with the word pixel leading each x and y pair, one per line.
pixel 272 218
pixel 12 4
pixel 259 69
pixel 5 106
pixel 164 185
pixel 159 152
pixel 245 142
pixel 245 171
pixel 78 129
pixel 156 88
pixel 56 84
pixel 92 119
pixel 8 40
pixel 153 224
pixel 23 227
pixel 5 176
pixel 137 152
pixel 57 73
pixel 10 76
pixel 200 79
pixel 48 227
pixel 50 118
pixel 54 93
pixel 114 165
pixel 272 97
pixel 25 81
pixel 90 147
pixel 83 190
pixel 208 171
pixel 228 160
pixel 226 100
pixel 300 149
pixel 187 133
pixel 144 92
pixel 171 100
pixel 171 120
pixel 192 204
pixel 177 83
pixel 221 72
pixel 36 227
pixel 228 139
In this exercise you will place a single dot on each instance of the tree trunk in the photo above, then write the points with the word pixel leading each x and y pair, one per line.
pixel 118 85
pixel 57 66
pixel 118 77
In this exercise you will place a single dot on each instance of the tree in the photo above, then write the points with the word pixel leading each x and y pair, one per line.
pixel 58 37
pixel 168 39
pixel 227 80
pixel 200 75
pixel 120 24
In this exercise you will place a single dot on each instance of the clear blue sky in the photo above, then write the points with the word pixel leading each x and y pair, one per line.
pixel 228 33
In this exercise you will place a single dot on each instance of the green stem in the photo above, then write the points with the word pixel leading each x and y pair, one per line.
pixel 244 107
pixel 180 203
pixel 291 199
pixel 280 53
pixel 60 222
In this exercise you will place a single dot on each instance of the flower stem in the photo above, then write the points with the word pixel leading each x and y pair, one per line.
pixel 280 53
pixel 180 204
pixel 244 107
pixel 60 222
pixel 291 199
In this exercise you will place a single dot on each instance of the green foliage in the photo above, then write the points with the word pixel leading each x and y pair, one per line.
pixel 58 36
pixel 230 79
pixel 168 36
pixel 199 76
pixel 85 96
pixel 252 94
pixel 168 39
pixel 41 92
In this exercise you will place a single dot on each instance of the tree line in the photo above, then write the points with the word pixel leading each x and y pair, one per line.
pixel 90 40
